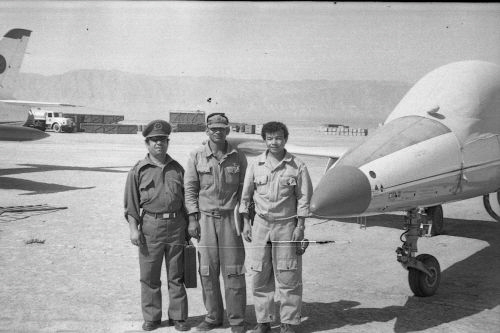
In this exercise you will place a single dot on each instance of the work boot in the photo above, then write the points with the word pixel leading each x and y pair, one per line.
pixel 288 328
pixel 238 329
pixel 151 325
pixel 262 328
pixel 206 326
pixel 180 325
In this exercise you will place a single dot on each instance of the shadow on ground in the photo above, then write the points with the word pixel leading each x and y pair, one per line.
pixel 467 287
pixel 34 187
pixel 30 168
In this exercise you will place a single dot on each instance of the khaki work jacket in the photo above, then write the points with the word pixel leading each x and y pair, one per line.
pixel 212 185
pixel 278 193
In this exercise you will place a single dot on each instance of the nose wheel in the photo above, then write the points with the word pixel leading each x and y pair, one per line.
pixel 425 284
pixel 424 272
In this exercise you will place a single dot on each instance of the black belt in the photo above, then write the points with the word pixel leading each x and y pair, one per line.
pixel 163 215
pixel 215 213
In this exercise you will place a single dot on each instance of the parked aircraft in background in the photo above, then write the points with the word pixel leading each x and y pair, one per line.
pixel 441 143
pixel 14 113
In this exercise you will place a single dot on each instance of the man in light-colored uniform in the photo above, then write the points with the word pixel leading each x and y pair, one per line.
pixel 213 182
pixel 280 187
pixel 154 204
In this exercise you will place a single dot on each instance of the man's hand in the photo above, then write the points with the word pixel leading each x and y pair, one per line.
pixel 194 227
pixel 247 229
pixel 298 234
pixel 135 237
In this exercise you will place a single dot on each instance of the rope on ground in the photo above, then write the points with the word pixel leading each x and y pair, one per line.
pixel 276 244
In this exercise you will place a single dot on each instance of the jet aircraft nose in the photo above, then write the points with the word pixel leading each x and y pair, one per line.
pixel 343 191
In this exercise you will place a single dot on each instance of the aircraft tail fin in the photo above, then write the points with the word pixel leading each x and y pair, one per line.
pixel 12 49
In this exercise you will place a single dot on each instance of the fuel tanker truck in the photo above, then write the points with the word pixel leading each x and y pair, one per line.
pixel 50 120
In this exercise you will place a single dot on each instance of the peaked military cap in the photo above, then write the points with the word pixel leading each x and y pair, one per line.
pixel 157 128
pixel 218 120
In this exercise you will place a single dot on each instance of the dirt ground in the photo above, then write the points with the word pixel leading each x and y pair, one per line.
pixel 84 277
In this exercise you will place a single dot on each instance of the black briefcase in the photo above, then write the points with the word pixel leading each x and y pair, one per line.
pixel 190 265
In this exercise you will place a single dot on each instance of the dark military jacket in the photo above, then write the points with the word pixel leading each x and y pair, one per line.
pixel 153 188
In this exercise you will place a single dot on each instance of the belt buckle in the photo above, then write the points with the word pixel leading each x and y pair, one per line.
pixel 168 215
pixel 215 214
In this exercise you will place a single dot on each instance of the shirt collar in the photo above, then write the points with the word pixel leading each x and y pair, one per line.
pixel 263 157
pixel 208 151
pixel 148 161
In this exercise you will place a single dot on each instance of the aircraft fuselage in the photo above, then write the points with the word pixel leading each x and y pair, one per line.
pixel 440 144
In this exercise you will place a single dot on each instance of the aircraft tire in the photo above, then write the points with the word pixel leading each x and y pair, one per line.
pixel 57 128
pixel 435 213
pixel 489 209
pixel 421 284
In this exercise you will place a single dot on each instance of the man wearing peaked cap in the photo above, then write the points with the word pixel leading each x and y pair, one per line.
pixel 154 209
pixel 157 128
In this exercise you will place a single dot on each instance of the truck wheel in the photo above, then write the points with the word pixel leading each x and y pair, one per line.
pixel 57 128
pixel 70 129
pixel 40 125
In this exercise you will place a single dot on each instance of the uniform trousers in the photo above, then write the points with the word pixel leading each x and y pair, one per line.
pixel 276 266
pixel 220 250
pixel 164 238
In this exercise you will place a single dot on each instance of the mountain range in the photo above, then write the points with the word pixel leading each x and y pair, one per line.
pixel 141 98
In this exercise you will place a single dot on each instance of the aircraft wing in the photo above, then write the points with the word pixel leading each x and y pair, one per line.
pixel 256 146
pixel 334 152
pixel 20 133
pixel 35 103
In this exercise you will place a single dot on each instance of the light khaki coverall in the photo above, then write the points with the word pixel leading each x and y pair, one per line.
pixel 280 195
pixel 212 188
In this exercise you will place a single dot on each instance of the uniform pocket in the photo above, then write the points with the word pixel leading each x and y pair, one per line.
pixel 204 270
pixel 261 184
pixel 147 191
pixel 206 176
pixel 236 276
pixel 173 189
pixel 288 273
pixel 255 265
pixel 287 185
pixel 232 174
pixel 149 228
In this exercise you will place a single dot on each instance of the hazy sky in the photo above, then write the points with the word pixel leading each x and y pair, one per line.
pixel 253 40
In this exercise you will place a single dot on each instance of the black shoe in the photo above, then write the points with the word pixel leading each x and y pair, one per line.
pixel 151 325
pixel 180 325
pixel 287 328
pixel 206 326
pixel 238 329
pixel 262 328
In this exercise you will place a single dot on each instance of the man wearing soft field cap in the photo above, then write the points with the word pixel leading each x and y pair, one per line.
pixel 213 183
pixel 217 120
pixel 154 206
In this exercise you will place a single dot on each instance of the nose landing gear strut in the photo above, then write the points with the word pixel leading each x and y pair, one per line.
pixel 424 272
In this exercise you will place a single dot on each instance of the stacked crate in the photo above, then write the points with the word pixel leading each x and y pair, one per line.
pixel 249 129
pixel 337 129
pixel 187 121
pixel 101 123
